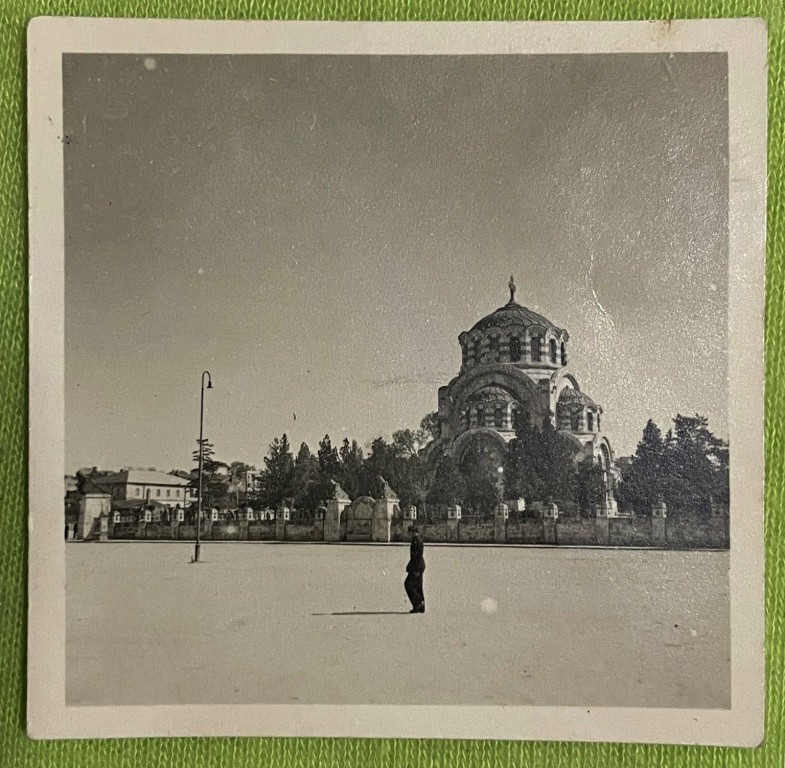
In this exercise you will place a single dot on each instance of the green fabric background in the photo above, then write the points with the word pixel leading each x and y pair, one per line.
pixel 15 748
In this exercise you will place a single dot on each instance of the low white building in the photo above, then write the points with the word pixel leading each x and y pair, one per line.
pixel 146 485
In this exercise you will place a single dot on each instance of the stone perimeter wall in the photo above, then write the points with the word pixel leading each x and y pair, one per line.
pixel 711 533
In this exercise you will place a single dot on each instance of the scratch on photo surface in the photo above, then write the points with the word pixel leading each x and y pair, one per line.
pixel 590 286
pixel 392 381
pixel 669 70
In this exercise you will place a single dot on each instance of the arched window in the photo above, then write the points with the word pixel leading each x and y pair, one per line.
pixel 590 421
pixel 515 349
pixel 494 345
pixel 464 353
pixel 498 417
pixel 476 351
pixel 563 353
pixel 575 421
pixel 536 349
pixel 467 418
pixel 480 416
pixel 552 346
pixel 598 422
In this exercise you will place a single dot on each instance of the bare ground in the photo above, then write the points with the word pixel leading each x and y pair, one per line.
pixel 299 623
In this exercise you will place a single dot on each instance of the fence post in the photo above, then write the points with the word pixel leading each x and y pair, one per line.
pixel 333 516
pixel 659 513
pixel 318 524
pixel 281 518
pixel 601 524
pixel 453 522
pixel 500 517
pixel 550 517
pixel 103 527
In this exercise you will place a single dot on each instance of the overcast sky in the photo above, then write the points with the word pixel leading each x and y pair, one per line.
pixel 317 232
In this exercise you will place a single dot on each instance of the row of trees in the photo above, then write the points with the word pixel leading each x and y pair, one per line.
pixel 687 467
pixel 307 478
pixel 538 464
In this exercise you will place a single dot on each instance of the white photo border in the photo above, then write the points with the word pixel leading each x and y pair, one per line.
pixel 744 41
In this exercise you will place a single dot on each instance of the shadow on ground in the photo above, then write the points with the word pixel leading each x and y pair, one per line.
pixel 363 613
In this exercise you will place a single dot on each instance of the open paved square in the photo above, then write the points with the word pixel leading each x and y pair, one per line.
pixel 311 623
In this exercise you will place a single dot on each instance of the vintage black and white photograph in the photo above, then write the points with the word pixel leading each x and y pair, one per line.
pixel 409 381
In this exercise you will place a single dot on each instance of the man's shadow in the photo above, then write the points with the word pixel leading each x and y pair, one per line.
pixel 363 613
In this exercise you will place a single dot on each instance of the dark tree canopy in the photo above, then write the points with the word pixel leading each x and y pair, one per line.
pixel 351 467
pixel 448 487
pixel 643 480
pixel 479 469
pixel 214 492
pixel 540 464
pixel 688 468
pixel 307 482
pixel 328 458
pixel 276 480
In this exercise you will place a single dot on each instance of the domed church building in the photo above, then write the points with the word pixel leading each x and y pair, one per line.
pixel 515 361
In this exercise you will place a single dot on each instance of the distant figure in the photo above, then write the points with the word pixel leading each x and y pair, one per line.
pixel 414 571
pixel 67 529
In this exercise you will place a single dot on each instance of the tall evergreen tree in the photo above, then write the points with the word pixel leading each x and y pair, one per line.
pixel 380 462
pixel 643 481
pixel 278 474
pixel 328 458
pixel 696 464
pixel 213 490
pixel 308 487
pixel 688 467
pixel 351 467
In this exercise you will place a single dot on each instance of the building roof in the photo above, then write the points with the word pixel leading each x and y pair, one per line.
pixel 511 314
pixel 143 477
pixel 570 396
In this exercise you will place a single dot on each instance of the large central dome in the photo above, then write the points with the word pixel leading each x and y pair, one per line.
pixel 512 313
pixel 514 335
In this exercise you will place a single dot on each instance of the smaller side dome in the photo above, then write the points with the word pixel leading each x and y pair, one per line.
pixel 577 412
pixel 574 397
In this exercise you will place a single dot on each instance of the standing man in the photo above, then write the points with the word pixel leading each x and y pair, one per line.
pixel 414 571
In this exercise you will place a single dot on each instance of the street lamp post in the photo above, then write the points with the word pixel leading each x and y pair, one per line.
pixel 201 466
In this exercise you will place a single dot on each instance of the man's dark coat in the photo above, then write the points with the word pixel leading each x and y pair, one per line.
pixel 416 562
